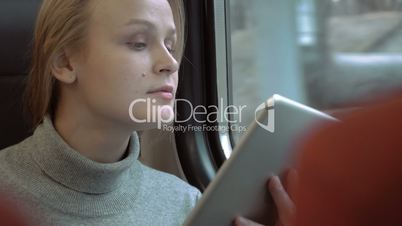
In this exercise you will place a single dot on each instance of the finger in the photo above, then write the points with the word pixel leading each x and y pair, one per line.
pixel 282 200
pixel 283 177
pixel 292 180
pixel 241 221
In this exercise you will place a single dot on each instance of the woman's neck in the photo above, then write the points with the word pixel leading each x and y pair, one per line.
pixel 92 137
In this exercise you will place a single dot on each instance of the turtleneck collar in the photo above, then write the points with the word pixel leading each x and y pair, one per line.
pixel 68 167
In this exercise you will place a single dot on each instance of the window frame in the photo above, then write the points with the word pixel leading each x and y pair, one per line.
pixel 200 152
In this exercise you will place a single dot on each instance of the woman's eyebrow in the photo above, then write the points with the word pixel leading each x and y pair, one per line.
pixel 149 24
pixel 134 21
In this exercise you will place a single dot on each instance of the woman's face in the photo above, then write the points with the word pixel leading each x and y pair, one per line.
pixel 128 57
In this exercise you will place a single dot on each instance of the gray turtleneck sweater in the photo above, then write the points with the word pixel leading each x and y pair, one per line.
pixel 61 187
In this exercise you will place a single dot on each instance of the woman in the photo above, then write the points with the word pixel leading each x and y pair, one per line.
pixel 91 60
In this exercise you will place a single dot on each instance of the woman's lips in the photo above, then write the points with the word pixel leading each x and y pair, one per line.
pixel 164 92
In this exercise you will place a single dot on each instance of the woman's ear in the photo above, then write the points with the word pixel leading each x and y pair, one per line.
pixel 63 69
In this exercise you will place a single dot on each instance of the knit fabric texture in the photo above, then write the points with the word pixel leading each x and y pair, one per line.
pixel 59 186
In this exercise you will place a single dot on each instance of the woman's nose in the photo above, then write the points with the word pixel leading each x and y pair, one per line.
pixel 165 63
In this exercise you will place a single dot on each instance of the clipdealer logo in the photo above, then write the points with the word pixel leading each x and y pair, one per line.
pixel 270 124
pixel 163 116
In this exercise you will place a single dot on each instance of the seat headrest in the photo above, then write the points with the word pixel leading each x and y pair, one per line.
pixel 17 20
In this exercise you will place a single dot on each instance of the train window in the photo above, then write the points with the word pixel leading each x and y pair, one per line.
pixel 354 50
pixel 328 54
pixel 264 56
pixel 324 53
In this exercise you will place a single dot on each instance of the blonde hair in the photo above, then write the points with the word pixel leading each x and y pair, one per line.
pixel 61 24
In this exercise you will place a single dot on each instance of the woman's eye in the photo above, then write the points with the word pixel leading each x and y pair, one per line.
pixel 171 50
pixel 137 45
pixel 170 46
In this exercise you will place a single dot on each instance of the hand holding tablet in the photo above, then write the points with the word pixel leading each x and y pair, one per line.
pixel 283 202
pixel 240 186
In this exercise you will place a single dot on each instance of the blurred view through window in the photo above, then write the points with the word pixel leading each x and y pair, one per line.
pixel 325 53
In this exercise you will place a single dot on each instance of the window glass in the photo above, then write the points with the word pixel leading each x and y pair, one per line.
pixel 325 53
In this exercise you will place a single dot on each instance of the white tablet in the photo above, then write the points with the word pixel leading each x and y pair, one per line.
pixel 239 188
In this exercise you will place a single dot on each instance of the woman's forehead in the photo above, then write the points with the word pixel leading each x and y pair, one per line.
pixel 119 13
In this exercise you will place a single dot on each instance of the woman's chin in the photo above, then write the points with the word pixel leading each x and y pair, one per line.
pixel 154 120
